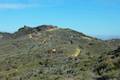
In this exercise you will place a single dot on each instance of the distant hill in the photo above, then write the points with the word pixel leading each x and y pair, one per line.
pixel 113 43
pixel 48 52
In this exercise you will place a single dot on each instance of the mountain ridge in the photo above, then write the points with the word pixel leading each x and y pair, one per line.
pixel 52 53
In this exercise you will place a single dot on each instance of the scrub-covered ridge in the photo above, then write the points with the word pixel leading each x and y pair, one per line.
pixel 47 52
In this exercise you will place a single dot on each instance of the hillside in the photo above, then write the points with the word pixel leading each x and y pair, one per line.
pixel 108 65
pixel 113 43
pixel 47 52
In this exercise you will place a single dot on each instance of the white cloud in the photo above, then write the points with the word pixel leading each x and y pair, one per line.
pixel 15 5
pixel 30 3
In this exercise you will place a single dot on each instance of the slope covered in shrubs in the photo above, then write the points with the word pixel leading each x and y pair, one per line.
pixel 50 53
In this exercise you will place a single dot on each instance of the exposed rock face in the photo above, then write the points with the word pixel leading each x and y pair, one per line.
pixel 45 27
pixel 28 30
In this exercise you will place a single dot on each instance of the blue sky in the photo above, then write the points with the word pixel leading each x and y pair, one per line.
pixel 94 17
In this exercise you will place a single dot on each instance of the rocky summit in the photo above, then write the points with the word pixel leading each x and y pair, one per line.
pixel 48 52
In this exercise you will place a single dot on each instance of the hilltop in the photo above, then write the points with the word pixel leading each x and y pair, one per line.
pixel 48 52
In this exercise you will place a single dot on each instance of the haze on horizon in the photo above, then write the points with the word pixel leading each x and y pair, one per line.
pixel 99 18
